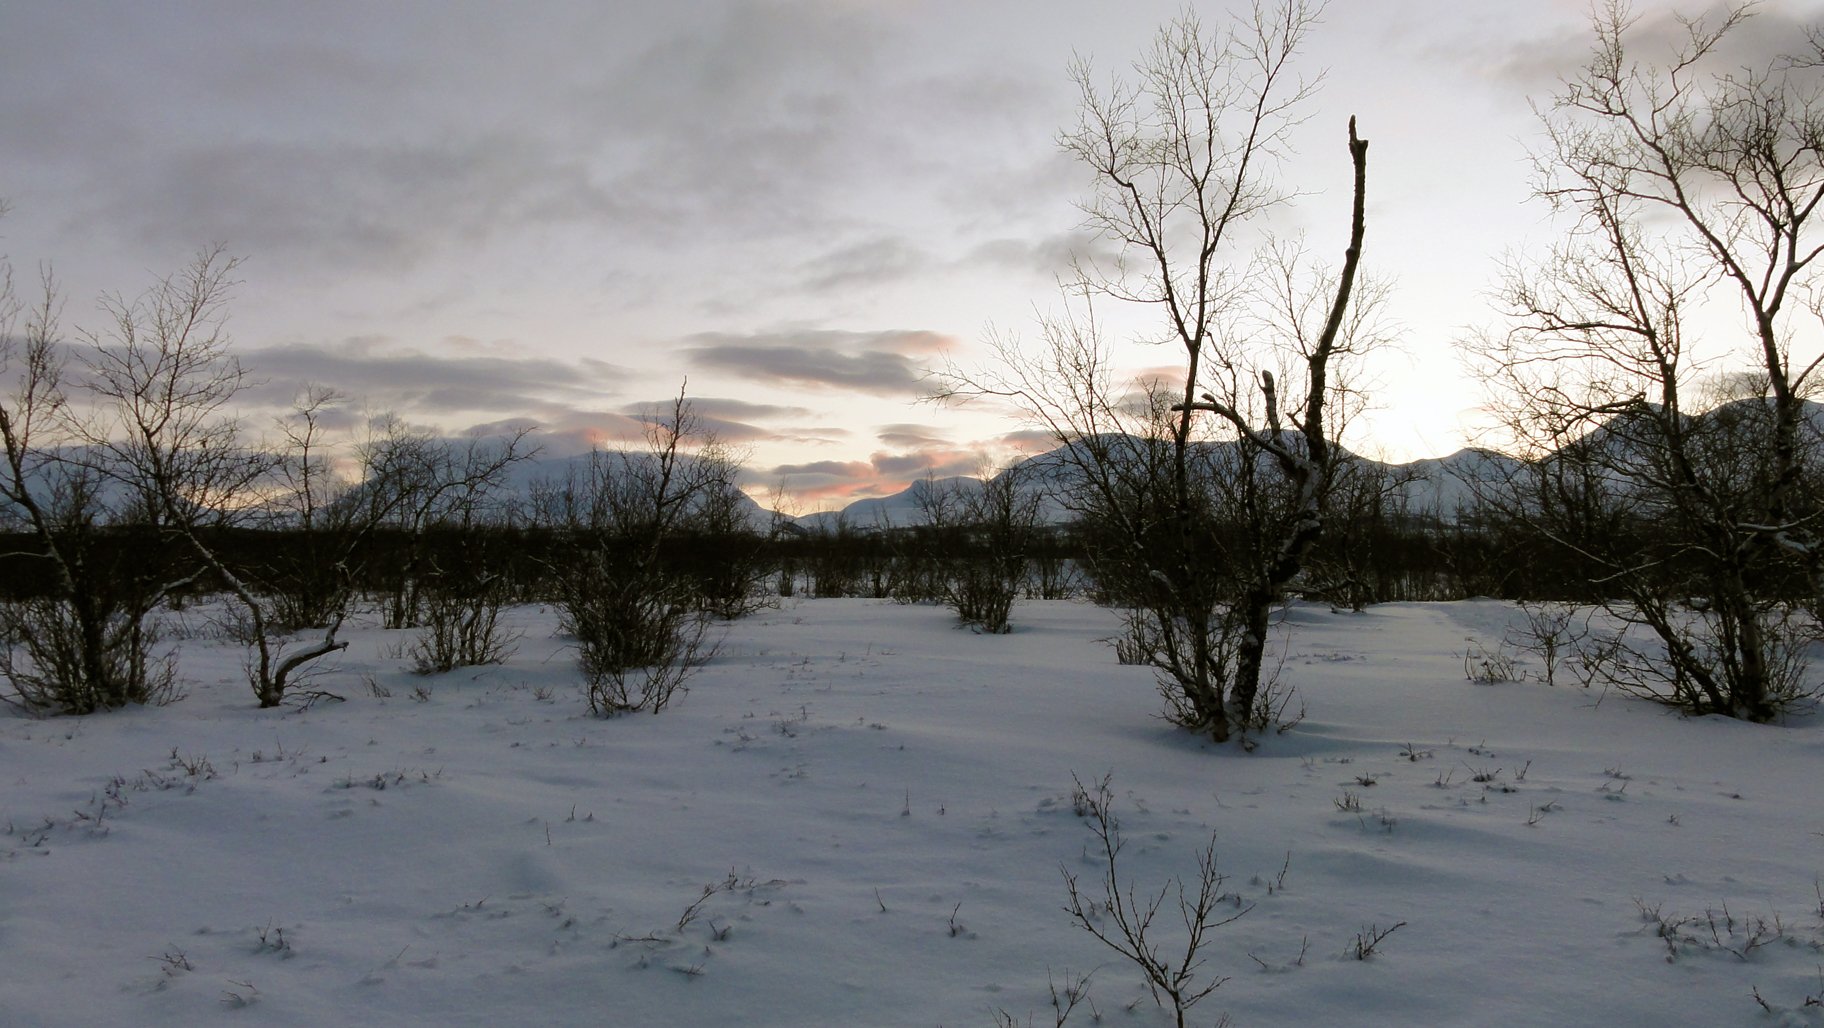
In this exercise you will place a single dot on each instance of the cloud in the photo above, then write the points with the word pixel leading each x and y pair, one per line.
pixel 1029 441
pixel 728 407
pixel 577 429
pixel 826 469
pixel 919 463
pixel 867 262
pixel 748 117
pixel 1050 256
pixel 879 363
pixel 1540 64
pixel 882 474
pixel 387 375
pixel 885 259
pixel 355 204
pixel 728 419
pixel 374 136
pixel 906 436
pixel 915 344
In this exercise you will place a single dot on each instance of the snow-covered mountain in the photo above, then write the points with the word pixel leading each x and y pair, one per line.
pixel 1432 487
pixel 1445 486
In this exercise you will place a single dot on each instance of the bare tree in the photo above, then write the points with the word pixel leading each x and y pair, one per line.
pixel 979 535
pixel 461 598
pixel 1692 188
pixel 639 623
pixel 311 581
pixel 1303 458
pixel 1184 154
pixel 88 645
pixel 412 482
pixel 735 560
pixel 163 378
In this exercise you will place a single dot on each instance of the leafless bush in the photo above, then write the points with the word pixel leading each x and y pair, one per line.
pixel 640 636
pixel 1488 667
pixel 988 527
pixel 1552 632
pixel 1172 646
pixel 621 616
pixel 1682 480
pixel 1205 520
pixel 50 665
pixel 639 621
pixel 87 643
pixel 732 583
pixel 652 688
pixel 1670 666
pixel 983 597
pixel 412 483
pixel 1065 999
pixel 1133 647
pixel 461 623
pixel 1124 920
pixel 1715 930
pixel 1369 939
pixel 833 564
pixel 1053 577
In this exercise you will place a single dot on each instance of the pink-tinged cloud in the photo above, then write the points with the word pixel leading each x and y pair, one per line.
pixel 820 482
pixel 1167 378
pixel 825 469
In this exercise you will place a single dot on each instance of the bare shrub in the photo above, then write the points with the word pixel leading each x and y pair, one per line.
pixel 49 663
pixel 983 598
pixel 987 528
pixel 85 642
pixel 1489 667
pixel 1368 940
pixel 461 614
pixel 164 383
pixel 1054 576
pixel 1676 662
pixel 834 558
pixel 1125 920
pixel 639 633
pixel 651 688
pixel 413 484
pixel 1065 999
pixel 640 622
pixel 1553 632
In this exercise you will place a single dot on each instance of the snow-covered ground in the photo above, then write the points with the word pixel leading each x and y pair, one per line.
pixel 881 804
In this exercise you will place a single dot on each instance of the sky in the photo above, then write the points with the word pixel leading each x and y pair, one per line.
pixel 479 215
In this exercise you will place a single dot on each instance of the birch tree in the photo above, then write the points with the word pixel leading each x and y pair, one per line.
pixel 1670 458
pixel 1201 502
pixel 164 381
pixel 87 644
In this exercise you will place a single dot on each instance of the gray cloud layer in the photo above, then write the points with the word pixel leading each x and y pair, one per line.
pixel 1539 65
pixel 888 363
pixel 407 379
pixel 373 135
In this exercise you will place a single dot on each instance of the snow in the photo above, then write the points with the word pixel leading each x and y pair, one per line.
pixel 891 797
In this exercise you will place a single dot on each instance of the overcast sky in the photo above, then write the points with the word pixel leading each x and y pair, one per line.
pixel 475 213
